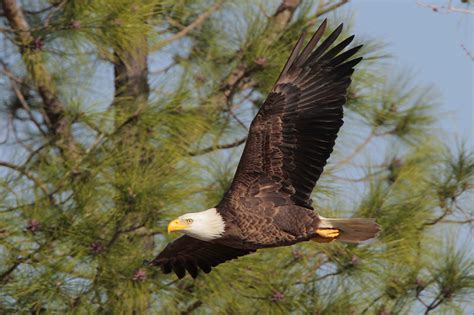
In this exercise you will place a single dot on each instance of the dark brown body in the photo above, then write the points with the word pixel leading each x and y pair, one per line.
pixel 268 227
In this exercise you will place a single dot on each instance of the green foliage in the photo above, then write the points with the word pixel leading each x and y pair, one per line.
pixel 84 206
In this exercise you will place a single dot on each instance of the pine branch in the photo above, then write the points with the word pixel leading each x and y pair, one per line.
pixel 191 308
pixel 371 304
pixel 131 86
pixel 12 268
pixel 365 178
pixel 276 24
pixel 332 274
pixel 239 78
pixel 329 8
pixel 438 219
pixel 6 30
pixel 54 110
pixel 131 73
pixel 20 169
pixel 99 140
pixel 448 8
pixel 21 97
pixel 192 26
pixel 467 221
pixel 4 275
pixel 356 151
pixel 435 303
pixel 467 52
pixel 218 147
pixel 419 299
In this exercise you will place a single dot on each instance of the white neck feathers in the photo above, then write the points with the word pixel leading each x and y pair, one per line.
pixel 207 225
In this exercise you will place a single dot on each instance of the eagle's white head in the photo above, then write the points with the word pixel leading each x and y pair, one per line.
pixel 205 225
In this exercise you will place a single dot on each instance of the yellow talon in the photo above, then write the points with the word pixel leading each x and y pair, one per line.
pixel 328 233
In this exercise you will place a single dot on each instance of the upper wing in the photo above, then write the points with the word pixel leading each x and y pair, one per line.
pixel 187 253
pixel 294 132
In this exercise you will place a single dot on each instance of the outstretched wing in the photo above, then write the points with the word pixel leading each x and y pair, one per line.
pixel 187 253
pixel 294 132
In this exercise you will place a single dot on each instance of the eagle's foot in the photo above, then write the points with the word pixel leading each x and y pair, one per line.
pixel 326 235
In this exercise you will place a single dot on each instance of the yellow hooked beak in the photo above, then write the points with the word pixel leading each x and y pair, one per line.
pixel 176 225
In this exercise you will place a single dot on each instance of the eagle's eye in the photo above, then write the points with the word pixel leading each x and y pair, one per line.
pixel 189 221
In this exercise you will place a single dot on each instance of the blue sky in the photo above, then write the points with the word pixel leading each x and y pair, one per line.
pixel 428 44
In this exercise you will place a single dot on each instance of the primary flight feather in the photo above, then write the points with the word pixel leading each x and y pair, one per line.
pixel 269 201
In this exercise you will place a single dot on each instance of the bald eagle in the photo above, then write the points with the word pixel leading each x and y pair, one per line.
pixel 269 201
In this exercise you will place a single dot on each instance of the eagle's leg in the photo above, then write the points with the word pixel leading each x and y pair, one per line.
pixel 326 235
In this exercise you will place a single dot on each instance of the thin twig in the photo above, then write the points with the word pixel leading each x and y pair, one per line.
pixel 21 98
pixel 323 10
pixel 237 119
pixel 196 23
pixel 360 179
pixel 435 303
pixel 356 151
pixel 244 99
pixel 444 9
pixel 451 8
pixel 330 8
pixel 467 52
pixel 371 303
pixel 7 129
pixel 192 307
pixel 39 11
pixel 6 30
pixel 132 228
pixel 164 70
pixel 27 174
pixel 467 221
pixel 320 278
pixel 420 300
pixel 50 15
pixel 218 147
pixel 36 151
pixel 18 262
pixel 438 219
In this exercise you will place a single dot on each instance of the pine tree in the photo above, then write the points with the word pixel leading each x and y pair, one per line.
pixel 123 114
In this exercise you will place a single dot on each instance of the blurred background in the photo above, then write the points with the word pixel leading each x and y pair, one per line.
pixel 117 116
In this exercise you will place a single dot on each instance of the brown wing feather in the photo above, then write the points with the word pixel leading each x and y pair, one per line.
pixel 293 134
pixel 190 254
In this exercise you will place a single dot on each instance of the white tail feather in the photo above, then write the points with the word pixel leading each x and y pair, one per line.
pixel 352 230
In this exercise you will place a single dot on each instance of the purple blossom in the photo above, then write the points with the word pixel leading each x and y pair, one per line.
pixel 117 22
pixel 420 283
pixel 33 225
pixel 277 296
pixel 297 254
pixel 397 163
pixel 76 24
pixel 261 61
pixel 355 260
pixel 38 43
pixel 140 275
pixel 200 78
pixel 96 248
